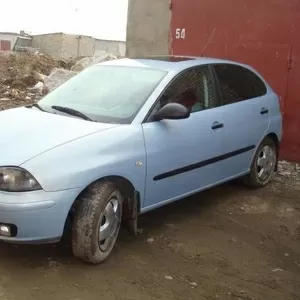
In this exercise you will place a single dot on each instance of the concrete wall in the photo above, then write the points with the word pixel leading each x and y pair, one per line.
pixel 77 45
pixel 148 27
pixel 62 45
pixel 122 48
pixel 111 47
pixel 49 43
pixel 9 37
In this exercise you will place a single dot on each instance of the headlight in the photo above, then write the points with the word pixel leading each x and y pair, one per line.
pixel 13 179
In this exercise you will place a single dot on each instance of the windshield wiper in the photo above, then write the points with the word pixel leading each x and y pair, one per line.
pixel 37 106
pixel 71 111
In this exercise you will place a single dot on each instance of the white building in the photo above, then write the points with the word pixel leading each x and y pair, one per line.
pixel 8 40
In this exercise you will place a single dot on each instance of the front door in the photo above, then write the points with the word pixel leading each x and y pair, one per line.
pixel 180 152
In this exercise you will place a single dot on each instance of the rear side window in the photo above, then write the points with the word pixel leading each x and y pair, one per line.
pixel 238 83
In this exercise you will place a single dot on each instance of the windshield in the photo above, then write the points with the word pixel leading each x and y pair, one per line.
pixel 108 94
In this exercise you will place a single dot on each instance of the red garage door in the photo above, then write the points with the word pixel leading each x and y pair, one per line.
pixel 250 32
pixel 5 45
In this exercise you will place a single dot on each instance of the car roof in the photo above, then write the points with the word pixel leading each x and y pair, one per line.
pixel 175 63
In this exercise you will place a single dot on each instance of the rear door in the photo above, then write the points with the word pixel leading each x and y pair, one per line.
pixel 245 115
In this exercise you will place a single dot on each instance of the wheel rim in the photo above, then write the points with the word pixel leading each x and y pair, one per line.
pixel 266 163
pixel 109 224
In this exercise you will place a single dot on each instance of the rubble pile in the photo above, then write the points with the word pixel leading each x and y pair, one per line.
pixel 89 61
pixel 20 71
pixel 57 77
pixel 287 169
pixel 26 77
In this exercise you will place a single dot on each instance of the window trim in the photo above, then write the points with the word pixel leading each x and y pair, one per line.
pixel 243 67
pixel 217 85
pixel 147 118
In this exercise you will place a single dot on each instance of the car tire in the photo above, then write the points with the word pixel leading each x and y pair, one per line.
pixel 263 164
pixel 97 222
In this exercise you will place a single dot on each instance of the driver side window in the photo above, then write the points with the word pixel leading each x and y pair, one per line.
pixel 193 88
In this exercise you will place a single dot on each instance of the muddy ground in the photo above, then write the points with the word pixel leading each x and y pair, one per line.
pixel 226 243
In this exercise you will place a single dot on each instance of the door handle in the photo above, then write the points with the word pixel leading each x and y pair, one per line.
pixel 217 125
pixel 264 111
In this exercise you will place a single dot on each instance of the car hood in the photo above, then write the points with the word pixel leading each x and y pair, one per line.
pixel 27 132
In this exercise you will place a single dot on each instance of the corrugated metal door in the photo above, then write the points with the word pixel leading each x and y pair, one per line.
pixel 5 45
pixel 250 32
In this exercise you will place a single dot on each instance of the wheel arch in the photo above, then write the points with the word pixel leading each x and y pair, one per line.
pixel 131 205
pixel 273 136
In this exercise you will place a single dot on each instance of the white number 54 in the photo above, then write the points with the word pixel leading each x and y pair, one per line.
pixel 180 33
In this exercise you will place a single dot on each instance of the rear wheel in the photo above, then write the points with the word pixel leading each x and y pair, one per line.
pixel 97 222
pixel 263 164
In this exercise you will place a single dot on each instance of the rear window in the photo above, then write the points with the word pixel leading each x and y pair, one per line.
pixel 238 83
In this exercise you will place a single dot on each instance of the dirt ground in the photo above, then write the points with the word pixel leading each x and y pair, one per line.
pixel 226 243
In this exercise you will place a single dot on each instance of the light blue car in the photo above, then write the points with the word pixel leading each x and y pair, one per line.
pixel 127 136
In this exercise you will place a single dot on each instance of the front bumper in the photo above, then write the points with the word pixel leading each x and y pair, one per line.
pixel 38 216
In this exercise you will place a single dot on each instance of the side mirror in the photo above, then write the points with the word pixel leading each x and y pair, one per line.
pixel 172 111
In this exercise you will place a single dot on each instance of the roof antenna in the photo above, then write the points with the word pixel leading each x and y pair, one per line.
pixel 208 42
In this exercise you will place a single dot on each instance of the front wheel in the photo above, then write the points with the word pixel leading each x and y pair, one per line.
pixel 97 222
pixel 263 164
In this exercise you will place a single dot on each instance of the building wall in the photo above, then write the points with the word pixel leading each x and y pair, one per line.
pixel 49 43
pixel 111 47
pixel 77 45
pixel 9 37
pixel 148 27
pixel 122 48
pixel 62 45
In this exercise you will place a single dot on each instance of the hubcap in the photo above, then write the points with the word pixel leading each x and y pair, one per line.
pixel 265 163
pixel 109 224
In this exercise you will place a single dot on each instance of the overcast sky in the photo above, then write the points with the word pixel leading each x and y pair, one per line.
pixel 104 19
